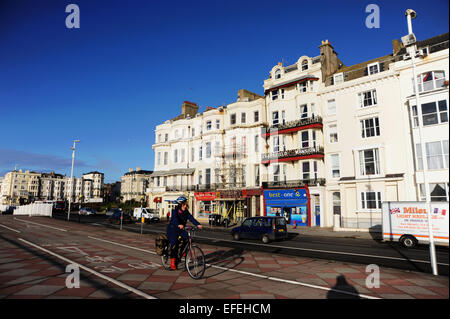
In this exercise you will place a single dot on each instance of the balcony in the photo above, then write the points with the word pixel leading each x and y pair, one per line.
pixel 194 188
pixel 293 126
pixel 294 183
pixel 293 155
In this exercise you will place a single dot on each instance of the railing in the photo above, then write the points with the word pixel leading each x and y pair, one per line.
pixel 295 183
pixel 292 153
pixel 195 188
pixel 361 222
pixel 292 124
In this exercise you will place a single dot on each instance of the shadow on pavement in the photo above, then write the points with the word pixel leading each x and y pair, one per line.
pixel 230 259
pixel 343 286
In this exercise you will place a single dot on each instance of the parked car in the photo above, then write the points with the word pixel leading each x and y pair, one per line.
pixel 262 228
pixel 149 214
pixel 87 211
pixel 115 217
pixel 112 211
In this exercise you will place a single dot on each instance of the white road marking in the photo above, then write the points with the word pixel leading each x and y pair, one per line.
pixel 118 283
pixel 323 251
pixel 307 249
pixel 27 221
pixel 251 274
pixel 10 228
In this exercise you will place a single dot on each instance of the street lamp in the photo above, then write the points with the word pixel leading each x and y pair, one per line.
pixel 71 177
pixel 410 43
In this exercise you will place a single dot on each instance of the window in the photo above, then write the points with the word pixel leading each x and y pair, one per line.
pixel 183 153
pixel 367 98
pixel 274 95
pixel 208 126
pixel 371 200
pixel 438 192
pixel 159 158
pixel 208 176
pixel 338 78
pixel 305 171
pixel 275 118
pixel 303 111
pixel 437 155
pixel 276 173
pixel 316 172
pixel 332 133
pixel 302 87
pixel 256 143
pixel 335 170
pixel 276 143
pixel 208 150
pixel 311 85
pixel 257 175
pixel 165 181
pixel 200 177
pixel 193 132
pixel 233 119
pixel 256 116
pixel 217 148
pixel 278 74
pixel 305 139
pixel 200 153
pixel 283 117
pixel 432 113
pixel 331 107
pixel 244 175
pixel 192 154
pixel 373 68
pixel 370 127
pixel 175 156
pixel 282 93
pixel 244 145
pixel 243 117
pixel 159 138
pixel 176 133
pixel 217 124
pixel 430 80
pixel 304 65
pixel 369 162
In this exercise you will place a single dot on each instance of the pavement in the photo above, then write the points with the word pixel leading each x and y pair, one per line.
pixel 35 252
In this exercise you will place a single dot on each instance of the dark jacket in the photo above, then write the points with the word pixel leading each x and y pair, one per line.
pixel 178 217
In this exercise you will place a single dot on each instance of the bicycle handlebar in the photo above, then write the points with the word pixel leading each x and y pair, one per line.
pixel 191 228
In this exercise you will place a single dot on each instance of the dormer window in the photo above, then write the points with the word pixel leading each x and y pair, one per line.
pixel 278 74
pixel 373 68
pixel 304 65
pixel 338 78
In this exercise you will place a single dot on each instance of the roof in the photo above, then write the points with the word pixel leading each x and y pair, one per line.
pixel 433 41
pixel 291 82
pixel 141 172
pixel 179 171
pixel 94 172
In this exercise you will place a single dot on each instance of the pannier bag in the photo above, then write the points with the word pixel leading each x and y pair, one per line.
pixel 161 242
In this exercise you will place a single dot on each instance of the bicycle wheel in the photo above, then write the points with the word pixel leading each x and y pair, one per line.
pixel 165 258
pixel 195 262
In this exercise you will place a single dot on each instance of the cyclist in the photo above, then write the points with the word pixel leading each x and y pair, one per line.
pixel 179 217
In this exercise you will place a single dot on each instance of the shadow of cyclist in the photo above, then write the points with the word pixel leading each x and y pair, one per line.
pixel 344 286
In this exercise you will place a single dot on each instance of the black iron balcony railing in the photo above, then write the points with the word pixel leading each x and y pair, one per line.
pixel 295 154
pixel 280 127
pixel 195 188
pixel 294 183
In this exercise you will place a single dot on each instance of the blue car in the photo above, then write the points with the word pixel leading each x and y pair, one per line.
pixel 261 228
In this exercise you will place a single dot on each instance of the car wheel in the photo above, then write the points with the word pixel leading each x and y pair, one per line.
pixel 408 241
pixel 236 236
pixel 265 239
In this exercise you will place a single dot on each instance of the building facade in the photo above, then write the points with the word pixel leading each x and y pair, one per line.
pixel 134 185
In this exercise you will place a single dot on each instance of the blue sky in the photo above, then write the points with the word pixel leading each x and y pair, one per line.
pixel 132 63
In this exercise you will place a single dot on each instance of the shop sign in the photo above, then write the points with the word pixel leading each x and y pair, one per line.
pixel 229 194
pixel 289 194
pixel 205 196
pixel 251 192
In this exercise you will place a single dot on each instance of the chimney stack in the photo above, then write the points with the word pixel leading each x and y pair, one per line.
pixel 138 169
pixel 130 170
pixel 396 46
pixel 189 108
pixel 329 60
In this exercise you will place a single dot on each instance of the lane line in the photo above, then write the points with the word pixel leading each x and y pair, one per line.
pixel 116 282
pixel 27 221
pixel 250 273
pixel 305 249
pixel 9 228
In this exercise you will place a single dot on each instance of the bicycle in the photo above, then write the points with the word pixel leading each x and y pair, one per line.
pixel 194 259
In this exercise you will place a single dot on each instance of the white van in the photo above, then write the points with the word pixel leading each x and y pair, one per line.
pixel 407 222
pixel 150 214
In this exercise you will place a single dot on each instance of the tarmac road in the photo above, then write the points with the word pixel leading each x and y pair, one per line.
pixel 355 250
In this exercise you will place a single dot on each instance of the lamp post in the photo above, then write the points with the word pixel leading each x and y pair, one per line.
pixel 71 177
pixel 411 49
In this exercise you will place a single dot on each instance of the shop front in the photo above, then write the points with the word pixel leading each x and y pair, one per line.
pixel 205 204
pixel 292 204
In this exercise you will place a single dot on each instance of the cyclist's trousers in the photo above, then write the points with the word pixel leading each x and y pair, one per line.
pixel 178 244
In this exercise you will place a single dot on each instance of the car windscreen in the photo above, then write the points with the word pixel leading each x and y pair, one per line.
pixel 280 221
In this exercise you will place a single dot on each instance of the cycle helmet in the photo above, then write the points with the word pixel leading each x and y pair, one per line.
pixel 181 200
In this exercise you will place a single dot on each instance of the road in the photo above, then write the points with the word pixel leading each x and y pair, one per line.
pixel 38 255
pixel 363 251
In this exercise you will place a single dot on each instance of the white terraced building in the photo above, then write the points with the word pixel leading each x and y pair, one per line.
pixel 334 142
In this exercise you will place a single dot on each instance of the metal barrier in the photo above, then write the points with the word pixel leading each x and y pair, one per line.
pixel 360 222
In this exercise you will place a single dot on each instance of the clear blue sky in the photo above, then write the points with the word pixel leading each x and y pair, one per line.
pixel 132 63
